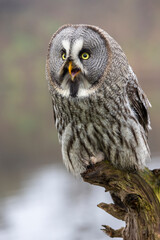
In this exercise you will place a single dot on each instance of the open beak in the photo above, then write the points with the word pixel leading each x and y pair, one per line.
pixel 73 71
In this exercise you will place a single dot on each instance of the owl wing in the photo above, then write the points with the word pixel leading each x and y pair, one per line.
pixel 139 103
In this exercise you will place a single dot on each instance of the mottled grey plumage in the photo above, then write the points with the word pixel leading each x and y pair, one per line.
pixel 99 108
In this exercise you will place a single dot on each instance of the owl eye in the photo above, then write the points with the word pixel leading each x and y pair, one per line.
pixel 63 55
pixel 85 55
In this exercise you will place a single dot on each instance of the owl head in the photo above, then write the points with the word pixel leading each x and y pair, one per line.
pixel 79 59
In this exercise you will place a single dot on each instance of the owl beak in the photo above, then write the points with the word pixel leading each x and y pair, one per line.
pixel 73 71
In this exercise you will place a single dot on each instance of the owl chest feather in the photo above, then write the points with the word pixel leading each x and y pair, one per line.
pixel 95 125
pixel 78 114
pixel 80 134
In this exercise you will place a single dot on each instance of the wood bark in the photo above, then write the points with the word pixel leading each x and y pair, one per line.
pixel 136 197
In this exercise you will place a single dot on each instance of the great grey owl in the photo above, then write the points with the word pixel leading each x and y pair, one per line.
pixel 100 110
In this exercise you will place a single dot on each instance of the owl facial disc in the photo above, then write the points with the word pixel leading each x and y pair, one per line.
pixel 77 60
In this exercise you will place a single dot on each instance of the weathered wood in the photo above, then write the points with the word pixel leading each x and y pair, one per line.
pixel 113 233
pixel 135 197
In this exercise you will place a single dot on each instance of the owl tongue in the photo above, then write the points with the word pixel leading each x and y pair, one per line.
pixel 74 72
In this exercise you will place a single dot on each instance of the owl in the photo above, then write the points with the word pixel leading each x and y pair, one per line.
pixel 100 110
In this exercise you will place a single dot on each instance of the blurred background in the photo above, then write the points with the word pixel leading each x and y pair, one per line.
pixel 38 198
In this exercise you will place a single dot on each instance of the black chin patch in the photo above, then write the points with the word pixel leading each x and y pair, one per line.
pixel 74 86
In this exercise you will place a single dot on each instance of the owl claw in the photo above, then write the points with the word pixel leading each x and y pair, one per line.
pixel 98 158
pixel 85 162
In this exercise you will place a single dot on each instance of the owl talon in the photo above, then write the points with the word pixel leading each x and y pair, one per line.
pixel 98 158
pixel 85 162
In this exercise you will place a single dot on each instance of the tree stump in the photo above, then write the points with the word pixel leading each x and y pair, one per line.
pixel 136 197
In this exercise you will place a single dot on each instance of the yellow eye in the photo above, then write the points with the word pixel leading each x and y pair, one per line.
pixel 64 56
pixel 85 56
